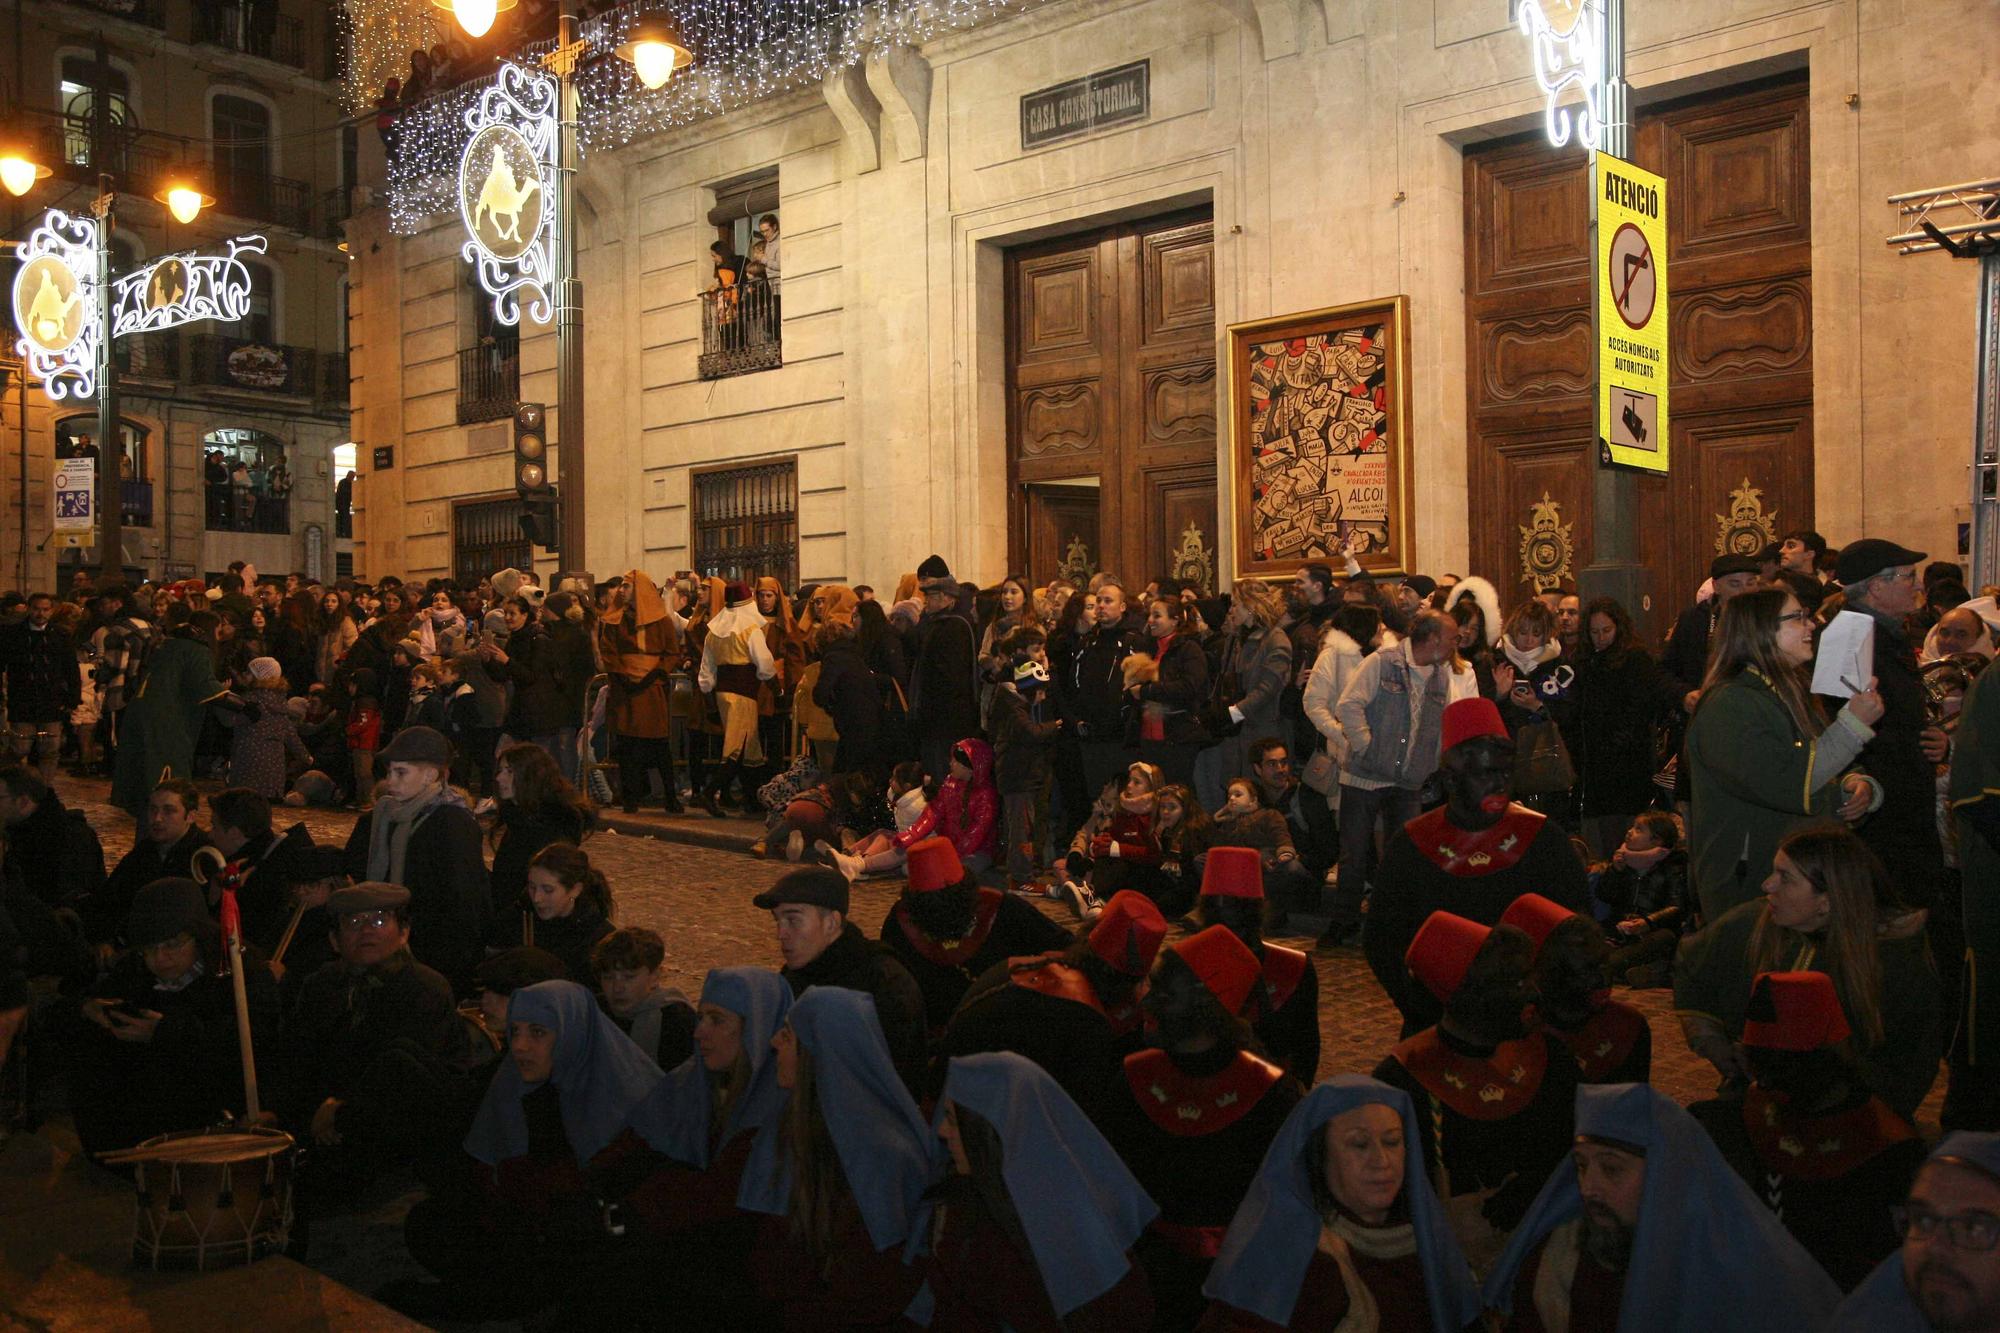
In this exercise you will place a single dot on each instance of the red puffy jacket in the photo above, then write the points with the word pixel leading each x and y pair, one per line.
pixel 968 813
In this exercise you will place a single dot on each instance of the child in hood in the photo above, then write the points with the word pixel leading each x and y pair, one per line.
pixel 1116 847
pixel 264 739
pixel 966 811
pixel 1018 719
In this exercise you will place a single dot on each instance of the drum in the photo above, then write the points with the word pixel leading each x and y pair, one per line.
pixel 213 1198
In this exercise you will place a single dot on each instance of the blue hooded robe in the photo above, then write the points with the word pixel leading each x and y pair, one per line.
pixel 1276 1229
pixel 1883 1303
pixel 1707 1253
pixel 599 1074
pixel 674 1117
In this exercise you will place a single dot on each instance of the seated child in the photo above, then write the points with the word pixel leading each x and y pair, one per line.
pixel 660 1021
pixel 1643 898
pixel 1116 847
pixel 1245 821
pixel 875 852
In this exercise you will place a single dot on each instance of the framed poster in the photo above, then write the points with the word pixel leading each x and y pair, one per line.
pixel 1320 438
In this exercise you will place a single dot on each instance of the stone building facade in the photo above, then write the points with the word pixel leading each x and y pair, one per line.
pixel 964 320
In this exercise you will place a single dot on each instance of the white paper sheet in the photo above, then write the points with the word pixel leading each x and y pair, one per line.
pixel 1846 655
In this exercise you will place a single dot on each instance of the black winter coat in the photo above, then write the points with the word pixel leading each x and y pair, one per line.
pixel 540 706
pixel 523 834
pixel 445 873
pixel 942 698
pixel 104 911
pixel 43 683
pixel 1904 832
pixel 1093 691
pixel 1182 687
pixel 855 964
pixel 1619 698
pixel 847 690
pixel 56 852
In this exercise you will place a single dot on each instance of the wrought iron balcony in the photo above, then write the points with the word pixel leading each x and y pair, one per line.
pixel 240 509
pixel 239 363
pixel 136 502
pixel 278 199
pixel 740 330
pixel 489 378
pixel 254 27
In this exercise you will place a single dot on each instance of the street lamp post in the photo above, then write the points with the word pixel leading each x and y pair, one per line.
pixel 110 448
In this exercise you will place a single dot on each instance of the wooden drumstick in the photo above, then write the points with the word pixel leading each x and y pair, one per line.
pixel 291 929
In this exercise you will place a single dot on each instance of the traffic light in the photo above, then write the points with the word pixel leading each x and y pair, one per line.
pixel 531 474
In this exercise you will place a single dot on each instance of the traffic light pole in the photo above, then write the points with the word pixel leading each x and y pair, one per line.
pixel 568 300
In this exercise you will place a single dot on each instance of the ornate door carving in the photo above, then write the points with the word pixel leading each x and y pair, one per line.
pixel 1739 236
pixel 1111 375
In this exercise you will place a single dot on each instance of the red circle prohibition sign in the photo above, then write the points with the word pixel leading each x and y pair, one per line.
pixel 1631 269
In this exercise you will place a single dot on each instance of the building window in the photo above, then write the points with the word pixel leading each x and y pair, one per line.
pixel 489 371
pixel 486 535
pixel 76 437
pixel 247 482
pixel 746 522
pixel 77 91
pixel 241 129
pixel 260 323
pixel 741 318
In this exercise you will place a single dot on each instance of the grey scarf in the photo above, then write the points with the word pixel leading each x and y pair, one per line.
pixel 394 822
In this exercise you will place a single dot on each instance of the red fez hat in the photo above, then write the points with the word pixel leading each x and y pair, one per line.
pixel 1233 872
pixel 1469 719
pixel 1443 950
pixel 1127 936
pixel 739 592
pixel 1224 963
pixel 1535 916
pixel 933 864
pixel 1794 1011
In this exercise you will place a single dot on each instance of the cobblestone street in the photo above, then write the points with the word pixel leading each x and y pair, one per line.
pixel 698 898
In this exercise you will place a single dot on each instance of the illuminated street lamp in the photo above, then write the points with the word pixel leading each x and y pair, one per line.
pixel 20 164
pixel 183 195
pixel 475 16
pixel 655 51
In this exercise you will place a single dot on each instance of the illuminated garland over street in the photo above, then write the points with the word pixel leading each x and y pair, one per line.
pixel 745 50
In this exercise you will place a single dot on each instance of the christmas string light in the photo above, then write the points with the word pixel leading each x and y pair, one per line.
pixel 380 34
pixel 744 51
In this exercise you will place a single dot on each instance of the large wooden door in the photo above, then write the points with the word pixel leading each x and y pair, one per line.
pixel 1739 225
pixel 1111 379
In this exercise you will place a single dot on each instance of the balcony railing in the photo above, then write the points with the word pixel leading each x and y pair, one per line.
pixel 138 158
pixel 240 509
pixel 278 199
pixel 489 379
pixel 152 13
pixel 740 330
pixel 336 206
pixel 238 363
pixel 254 27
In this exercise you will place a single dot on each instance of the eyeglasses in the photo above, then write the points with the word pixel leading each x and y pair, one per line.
pixel 359 919
pixel 1802 617
pixel 1966 1231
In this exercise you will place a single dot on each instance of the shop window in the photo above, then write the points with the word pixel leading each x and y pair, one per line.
pixel 246 481
pixel 76 437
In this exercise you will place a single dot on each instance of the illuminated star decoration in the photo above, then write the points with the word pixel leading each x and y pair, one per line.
pixel 744 51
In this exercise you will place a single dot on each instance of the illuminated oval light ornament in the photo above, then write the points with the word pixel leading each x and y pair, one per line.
pixel 655 51
pixel 18 174
pixel 475 16
pixel 500 192
pixel 49 304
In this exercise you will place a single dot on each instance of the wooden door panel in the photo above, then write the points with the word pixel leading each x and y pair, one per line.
pixel 1058 306
pixel 1740 346
pixel 1059 419
pixel 1181 537
pixel 1177 406
pixel 1177 269
pixel 1063 531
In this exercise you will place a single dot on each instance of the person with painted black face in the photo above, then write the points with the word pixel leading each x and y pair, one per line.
pixel 1472 856
pixel 1502 1097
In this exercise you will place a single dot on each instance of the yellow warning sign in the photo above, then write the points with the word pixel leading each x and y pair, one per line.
pixel 1630 211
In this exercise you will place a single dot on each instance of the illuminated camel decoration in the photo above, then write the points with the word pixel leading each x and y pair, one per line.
pixel 501 197
pixel 49 312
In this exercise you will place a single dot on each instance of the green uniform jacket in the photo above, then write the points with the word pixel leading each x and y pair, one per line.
pixel 156 738
pixel 1749 766
pixel 1712 977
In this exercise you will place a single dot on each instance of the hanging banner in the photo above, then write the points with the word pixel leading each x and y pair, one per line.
pixel 55 305
pixel 507 192
pixel 180 289
pixel 1629 224
pixel 74 495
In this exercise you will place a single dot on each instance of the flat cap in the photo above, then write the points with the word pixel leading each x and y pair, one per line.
pixel 1868 557
pixel 417 745
pixel 1724 565
pixel 370 896
pixel 814 886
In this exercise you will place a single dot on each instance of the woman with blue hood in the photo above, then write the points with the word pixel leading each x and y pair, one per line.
pixel 526 1216
pixel 840 1175
pixel 1032 1227
pixel 1647 1227
pixel 674 1194
pixel 1342 1224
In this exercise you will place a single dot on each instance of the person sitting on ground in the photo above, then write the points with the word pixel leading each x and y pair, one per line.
pixel 966 810
pixel 1075 1012
pixel 1827 907
pixel 572 905
pixel 1283 1009
pixel 1501 1096
pixel 1946 1276
pixel 1034 1222
pixel 947 929
pixel 821 947
pixel 334 1089
pixel 1342 1222
pixel 1644 900
pixel 1244 821
pixel 1115 849
pixel 838 1178
pixel 1612 1041
pixel 908 794
pixel 509 1239
pixel 1183 830
pixel 170 835
pixel 261 865
pixel 657 1018
pixel 1472 856
pixel 1196 1113
pixel 54 848
pixel 537 807
pixel 158 1050
pixel 1644 1226
pixel 1808 1137
pixel 422 836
